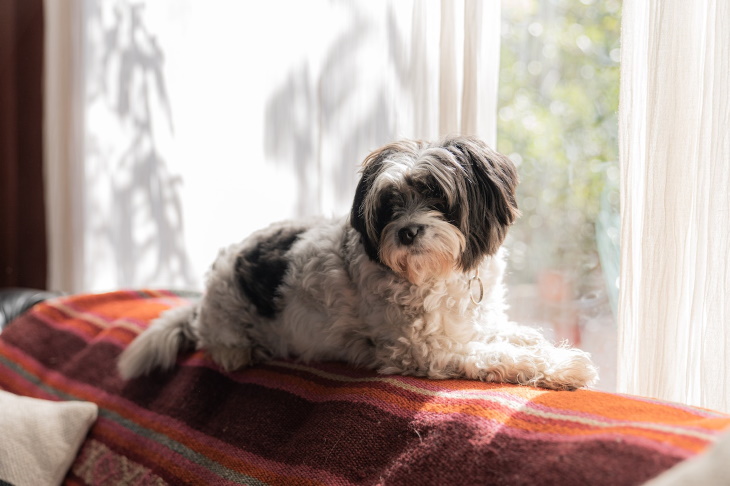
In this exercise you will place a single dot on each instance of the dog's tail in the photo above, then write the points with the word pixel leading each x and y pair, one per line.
pixel 159 345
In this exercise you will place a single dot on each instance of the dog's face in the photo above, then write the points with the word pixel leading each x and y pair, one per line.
pixel 425 210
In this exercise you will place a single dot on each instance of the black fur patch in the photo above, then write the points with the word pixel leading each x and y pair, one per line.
pixel 260 270
pixel 357 216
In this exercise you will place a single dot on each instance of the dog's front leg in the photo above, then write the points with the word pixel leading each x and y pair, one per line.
pixel 544 365
pixel 541 364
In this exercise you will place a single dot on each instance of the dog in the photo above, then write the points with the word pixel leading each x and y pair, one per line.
pixel 409 283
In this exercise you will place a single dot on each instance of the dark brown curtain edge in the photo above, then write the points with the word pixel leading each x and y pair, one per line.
pixel 23 249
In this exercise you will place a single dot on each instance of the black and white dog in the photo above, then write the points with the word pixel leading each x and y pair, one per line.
pixel 409 283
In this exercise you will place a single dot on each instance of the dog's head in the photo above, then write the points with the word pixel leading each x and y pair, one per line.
pixel 425 210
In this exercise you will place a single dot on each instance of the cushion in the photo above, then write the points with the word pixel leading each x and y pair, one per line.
pixel 286 422
pixel 16 300
pixel 40 438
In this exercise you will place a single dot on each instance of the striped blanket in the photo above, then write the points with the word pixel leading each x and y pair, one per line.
pixel 326 423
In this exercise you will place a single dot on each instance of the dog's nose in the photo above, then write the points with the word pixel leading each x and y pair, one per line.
pixel 408 234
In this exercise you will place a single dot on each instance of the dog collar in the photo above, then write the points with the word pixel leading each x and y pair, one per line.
pixel 478 281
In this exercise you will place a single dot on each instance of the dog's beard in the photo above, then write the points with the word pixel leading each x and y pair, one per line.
pixel 434 254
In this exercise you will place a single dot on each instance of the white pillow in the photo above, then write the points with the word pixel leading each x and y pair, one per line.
pixel 39 439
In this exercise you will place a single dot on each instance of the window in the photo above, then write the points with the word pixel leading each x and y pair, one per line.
pixel 557 119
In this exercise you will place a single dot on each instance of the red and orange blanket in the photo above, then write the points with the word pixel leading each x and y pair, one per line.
pixel 325 423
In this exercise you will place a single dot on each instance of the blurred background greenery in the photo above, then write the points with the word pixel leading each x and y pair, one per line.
pixel 558 103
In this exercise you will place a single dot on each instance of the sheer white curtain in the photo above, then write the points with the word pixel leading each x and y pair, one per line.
pixel 179 126
pixel 674 317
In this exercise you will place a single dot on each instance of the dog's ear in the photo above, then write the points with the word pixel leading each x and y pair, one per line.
pixel 371 167
pixel 490 206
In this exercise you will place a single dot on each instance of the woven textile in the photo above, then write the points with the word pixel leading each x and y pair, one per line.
pixel 325 423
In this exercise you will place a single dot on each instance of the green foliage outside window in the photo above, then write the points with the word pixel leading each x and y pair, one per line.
pixel 558 103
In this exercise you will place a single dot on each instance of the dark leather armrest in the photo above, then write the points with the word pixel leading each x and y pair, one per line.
pixel 15 301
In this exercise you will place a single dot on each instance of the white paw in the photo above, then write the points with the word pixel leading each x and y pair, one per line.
pixel 568 369
pixel 230 358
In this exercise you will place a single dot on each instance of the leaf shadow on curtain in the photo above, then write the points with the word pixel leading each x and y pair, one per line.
pixel 311 127
pixel 145 193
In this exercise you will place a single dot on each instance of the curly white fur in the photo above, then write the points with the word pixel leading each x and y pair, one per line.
pixel 359 290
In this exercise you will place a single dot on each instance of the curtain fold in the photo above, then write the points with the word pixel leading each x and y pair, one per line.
pixel 481 73
pixel 63 146
pixel 674 310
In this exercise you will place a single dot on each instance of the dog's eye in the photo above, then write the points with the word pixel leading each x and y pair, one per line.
pixel 450 214
pixel 442 208
pixel 436 199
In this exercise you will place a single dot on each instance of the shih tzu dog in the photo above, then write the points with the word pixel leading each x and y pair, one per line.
pixel 409 283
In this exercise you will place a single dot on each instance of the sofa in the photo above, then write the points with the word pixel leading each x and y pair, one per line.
pixel 292 423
